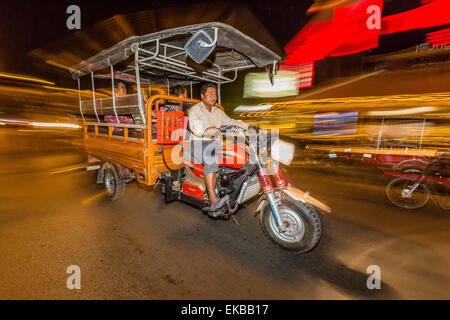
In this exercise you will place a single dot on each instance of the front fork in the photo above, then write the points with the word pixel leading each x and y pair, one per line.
pixel 276 214
pixel 266 185
pixel 407 194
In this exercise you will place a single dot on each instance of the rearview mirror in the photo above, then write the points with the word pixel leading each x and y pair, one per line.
pixel 272 71
pixel 200 46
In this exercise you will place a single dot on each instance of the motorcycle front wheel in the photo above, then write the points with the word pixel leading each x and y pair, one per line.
pixel 301 221
pixel 397 191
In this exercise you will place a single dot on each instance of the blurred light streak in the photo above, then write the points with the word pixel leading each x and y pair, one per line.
pixel 24 78
pixel 432 14
pixel 409 53
pixel 69 169
pixel 55 125
pixel 439 38
pixel 56 64
pixel 15 121
pixel 277 126
pixel 344 122
pixel 336 115
pixel 305 73
pixel 241 109
pixel 323 5
pixel 93 198
pixel 438 115
pixel 345 32
pixel 35 131
pixel 285 83
pixel 346 131
pixel 341 84
pixel 442 99
pixel 408 111
pixel 84 93
pixel 363 150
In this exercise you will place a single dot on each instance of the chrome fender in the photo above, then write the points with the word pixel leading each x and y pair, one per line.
pixel 297 195
pixel 305 197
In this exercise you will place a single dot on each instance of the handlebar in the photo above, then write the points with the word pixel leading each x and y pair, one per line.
pixel 231 126
pixel 224 129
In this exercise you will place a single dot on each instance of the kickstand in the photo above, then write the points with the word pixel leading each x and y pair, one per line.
pixel 235 220
pixel 155 185
pixel 232 215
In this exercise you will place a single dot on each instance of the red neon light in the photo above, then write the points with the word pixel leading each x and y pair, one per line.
pixel 353 23
pixel 347 33
pixel 439 38
pixel 305 73
pixel 431 14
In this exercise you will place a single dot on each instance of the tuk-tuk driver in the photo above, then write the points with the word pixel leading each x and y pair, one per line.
pixel 205 119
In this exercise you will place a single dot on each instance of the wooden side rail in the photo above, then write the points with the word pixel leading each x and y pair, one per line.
pixel 118 125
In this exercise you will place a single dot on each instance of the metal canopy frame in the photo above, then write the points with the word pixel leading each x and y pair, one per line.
pixel 164 60
pixel 166 49
pixel 162 55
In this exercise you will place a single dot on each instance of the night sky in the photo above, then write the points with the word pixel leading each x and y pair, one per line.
pixel 27 25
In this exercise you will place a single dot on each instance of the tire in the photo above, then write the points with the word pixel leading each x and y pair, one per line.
pixel 396 188
pixel 114 185
pixel 417 170
pixel 301 217
pixel 412 166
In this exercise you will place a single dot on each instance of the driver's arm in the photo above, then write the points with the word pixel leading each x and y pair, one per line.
pixel 211 131
pixel 226 120
pixel 197 125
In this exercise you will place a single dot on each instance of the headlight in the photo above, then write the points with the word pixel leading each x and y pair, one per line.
pixel 283 152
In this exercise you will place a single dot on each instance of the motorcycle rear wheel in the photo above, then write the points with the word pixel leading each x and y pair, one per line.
pixel 114 185
pixel 301 221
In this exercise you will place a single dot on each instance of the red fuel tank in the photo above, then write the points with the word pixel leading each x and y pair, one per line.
pixel 233 156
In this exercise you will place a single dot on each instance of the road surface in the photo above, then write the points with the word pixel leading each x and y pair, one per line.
pixel 141 248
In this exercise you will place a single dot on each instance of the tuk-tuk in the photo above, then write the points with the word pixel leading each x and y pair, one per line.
pixel 132 140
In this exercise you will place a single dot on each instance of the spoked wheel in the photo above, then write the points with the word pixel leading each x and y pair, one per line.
pixel 115 186
pixel 399 193
pixel 301 222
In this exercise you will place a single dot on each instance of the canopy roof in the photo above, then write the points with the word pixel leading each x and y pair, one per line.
pixel 162 54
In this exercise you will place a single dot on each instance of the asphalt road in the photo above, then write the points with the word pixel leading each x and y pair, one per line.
pixel 142 248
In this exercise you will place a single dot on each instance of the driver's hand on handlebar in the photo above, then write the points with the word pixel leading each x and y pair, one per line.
pixel 211 132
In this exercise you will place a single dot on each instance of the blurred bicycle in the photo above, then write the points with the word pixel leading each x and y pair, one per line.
pixel 413 190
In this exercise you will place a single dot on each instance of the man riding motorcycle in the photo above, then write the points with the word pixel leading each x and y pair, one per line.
pixel 205 119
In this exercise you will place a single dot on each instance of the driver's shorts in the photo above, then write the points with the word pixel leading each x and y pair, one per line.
pixel 205 153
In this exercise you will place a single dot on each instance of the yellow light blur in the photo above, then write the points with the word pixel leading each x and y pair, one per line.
pixel 55 125
pixel 24 78
pixel 322 5
pixel 401 111
pixel 56 64
pixel 277 126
